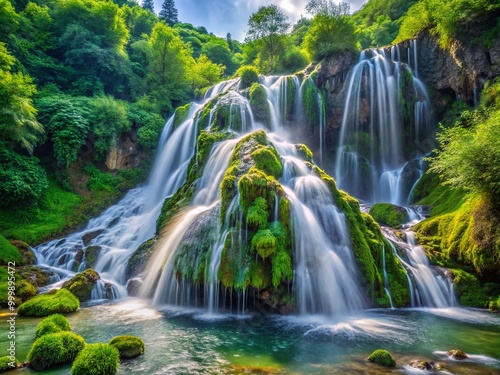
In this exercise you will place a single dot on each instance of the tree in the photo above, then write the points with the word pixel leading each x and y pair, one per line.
pixel 331 29
pixel 17 115
pixel 267 27
pixel 229 41
pixel 168 13
pixel 148 5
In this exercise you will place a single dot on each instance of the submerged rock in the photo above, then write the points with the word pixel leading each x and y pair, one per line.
pixel 457 354
pixel 134 286
pixel 82 284
pixel 422 365
pixel 128 346
pixel 382 357
pixel 87 237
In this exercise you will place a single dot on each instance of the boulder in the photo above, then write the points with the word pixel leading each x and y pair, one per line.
pixel 382 357
pixel 128 346
pixel 89 236
pixel 82 284
pixel 457 354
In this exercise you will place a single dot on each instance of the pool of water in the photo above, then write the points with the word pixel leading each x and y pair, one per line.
pixel 191 342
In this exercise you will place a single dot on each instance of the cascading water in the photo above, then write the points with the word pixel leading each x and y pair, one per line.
pixel 373 154
pixel 118 231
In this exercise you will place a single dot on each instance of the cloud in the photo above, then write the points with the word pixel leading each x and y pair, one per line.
pixel 223 16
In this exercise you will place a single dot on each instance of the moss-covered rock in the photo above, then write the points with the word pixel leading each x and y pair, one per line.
pixel 9 253
pixel 27 255
pixel 181 114
pixel 259 104
pixel 389 214
pixel 82 284
pixel 55 349
pixel 304 152
pixel 96 359
pixel 457 354
pixel 137 262
pixel 382 357
pixel 6 363
pixel 249 75
pixel 63 301
pixel 469 289
pixel 36 276
pixel 128 346
pixel 52 324
pixel 494 304
pixel 91 255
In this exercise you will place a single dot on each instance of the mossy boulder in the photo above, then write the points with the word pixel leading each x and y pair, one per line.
pixel 389 214
pixel 63 301
pixel 304 152
pixel 91 255
pixel 494 304
pixel 9 253
pixel 55 349
pixel 259 104
pixel 128 346
pixel 457 354
pixel 382 357
pixel 96 359
pixel 82 284
pixel 36 276
pixel 181 114
pixel 52 324
pixel 249 75
pixel 6 363
pixel 469 290
pixel 27 255
pixel 137 262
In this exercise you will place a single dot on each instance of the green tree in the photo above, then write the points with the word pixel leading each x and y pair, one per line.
pixel 17 114
pixel 267 27
pixel 169 68
pixel 218 51
pixel 148 5
pixel 169 13
pixel 331 29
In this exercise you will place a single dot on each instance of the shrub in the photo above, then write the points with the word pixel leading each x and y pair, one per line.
pixel 52 324
pixel 63 301
pixel 128 346
pixel 55 349
pixel 5 363
pixel 96 359
pixel 249 75
pixel 382 357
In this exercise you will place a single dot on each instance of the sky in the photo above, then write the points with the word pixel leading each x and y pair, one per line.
pixel 223 16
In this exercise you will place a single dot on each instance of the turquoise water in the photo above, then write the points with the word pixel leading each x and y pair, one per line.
pixel 190 342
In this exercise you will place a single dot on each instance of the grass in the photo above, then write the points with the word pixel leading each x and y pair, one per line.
pixel 52 324
pixel 8 252
pixel 96 359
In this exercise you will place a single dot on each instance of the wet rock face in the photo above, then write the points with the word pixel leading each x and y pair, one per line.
pixel 125 154
pixel 461 68
pixel 457 354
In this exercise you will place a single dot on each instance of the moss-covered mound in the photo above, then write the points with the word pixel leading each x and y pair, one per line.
pixel 63 301
pixel 259 104
pixel 382 357
pixel 128 346
pixel 82 284
pixel 249 75
pixel 181 114
pixel 457 354
pixel 52 324
pixel 96 359
pixel 494 304
pixel 55 349
pixel 139 259
pixel 389 214
pixel 9 253
pixel 7 364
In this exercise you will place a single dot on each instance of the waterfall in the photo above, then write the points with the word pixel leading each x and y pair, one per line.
pixel 116 233
pixel 383 94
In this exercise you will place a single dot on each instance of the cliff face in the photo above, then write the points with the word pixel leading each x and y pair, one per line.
pixel 461 70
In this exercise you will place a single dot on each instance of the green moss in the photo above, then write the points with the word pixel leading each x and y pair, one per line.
pixel 267 160
pixel 249 75
pixel 258 214
pixel 383 358
pixel 63 301
pixel 8 253
pixel 5 363
pixel 264 243
pixel 181 114
pixel 27 255
pixel 257 184
pixel 311 97
pixel 91 255
pixel 234 262
pixel 128 346
pixel 96 359
pixel 282 267
pixel 259 104
pixel 389 214
pixel 82 284
pixel 25 290
pixel 468 289
pixel 52 324
pixel 258 275
pixel 55 349
pixel 494 304
pixel 304 152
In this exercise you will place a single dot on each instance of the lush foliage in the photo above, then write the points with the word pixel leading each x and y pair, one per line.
pixel 331 30
pixel 128 346
pixel 63 301
pixel 52 324
pixel 447 19
pixel 96 359
pixel 55 349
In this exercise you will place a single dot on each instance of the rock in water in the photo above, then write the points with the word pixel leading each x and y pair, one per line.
pixel 457 354
pixel 382 357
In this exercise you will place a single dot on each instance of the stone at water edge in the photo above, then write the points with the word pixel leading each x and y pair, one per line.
pixel 382 357
pixel 82 284
pixel 424 365
pixel 128 346
pixel 457 354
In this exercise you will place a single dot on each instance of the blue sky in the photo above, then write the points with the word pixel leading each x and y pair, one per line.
pixel 223 16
